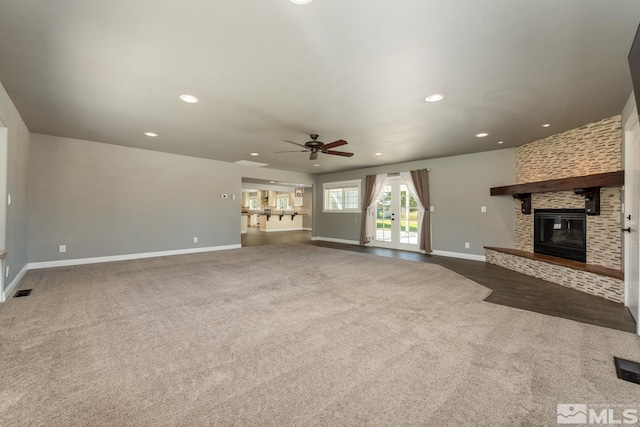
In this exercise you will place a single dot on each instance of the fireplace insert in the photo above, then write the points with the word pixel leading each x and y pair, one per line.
pixel 561 233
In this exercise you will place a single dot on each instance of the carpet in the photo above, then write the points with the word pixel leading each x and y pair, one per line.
pixel 291 335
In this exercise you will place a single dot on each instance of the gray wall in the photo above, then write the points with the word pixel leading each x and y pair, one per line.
pixel 14 182
pixel 101 199
pixel 459 186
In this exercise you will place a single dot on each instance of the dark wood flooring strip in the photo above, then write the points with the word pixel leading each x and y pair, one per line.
pixel 508 287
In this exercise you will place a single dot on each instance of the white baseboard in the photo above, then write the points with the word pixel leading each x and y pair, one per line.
pixel 330 239
pixel 460 255
pixel 307 228
pixel 127 257
pixel 7 291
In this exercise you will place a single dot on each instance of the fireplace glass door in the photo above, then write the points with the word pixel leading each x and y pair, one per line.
pixel 561 233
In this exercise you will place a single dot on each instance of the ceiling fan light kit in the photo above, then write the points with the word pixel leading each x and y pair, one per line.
pixel 314 147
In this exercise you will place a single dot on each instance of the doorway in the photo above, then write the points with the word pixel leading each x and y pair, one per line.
pixel 632 214
pixel 396 217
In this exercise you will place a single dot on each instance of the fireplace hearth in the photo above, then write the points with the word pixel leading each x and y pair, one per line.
pixel 561 233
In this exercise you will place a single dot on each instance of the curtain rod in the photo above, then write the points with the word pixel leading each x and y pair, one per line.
pixel 398 173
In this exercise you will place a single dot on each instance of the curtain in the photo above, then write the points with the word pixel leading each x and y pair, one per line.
pixel 372 188
pixel 418 184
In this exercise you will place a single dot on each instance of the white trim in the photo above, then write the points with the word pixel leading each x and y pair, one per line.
pixel 342 184
pixel 460 255
pixel 95 260
pixel 630 130
pixel 5 294
pixel 329 239
pixel 633 120
pixel 282 229
pixel 307 228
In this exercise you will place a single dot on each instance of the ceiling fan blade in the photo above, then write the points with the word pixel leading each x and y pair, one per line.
pixel 334 144
pixel 313 156
pixel 292 151
pixel 295 143
pixel 338 153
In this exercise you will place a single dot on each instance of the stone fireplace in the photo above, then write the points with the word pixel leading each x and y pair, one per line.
pixel 597 262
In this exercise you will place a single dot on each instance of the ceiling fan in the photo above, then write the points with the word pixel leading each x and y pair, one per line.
pixel 314 147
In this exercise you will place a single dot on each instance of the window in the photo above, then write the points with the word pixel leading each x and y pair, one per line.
pixel 282 202
pixel 342 196
pixel 253 203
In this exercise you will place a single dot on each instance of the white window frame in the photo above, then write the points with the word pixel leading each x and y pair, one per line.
pixel 255 202
pixel 283 196
pixel 357 183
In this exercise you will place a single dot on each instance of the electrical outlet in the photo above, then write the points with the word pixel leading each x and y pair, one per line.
pixel 233 197
pixel 467 245
pixel 432 208
pixel 483 209
pixel 223 196
pixel 62 248
pixel 195 240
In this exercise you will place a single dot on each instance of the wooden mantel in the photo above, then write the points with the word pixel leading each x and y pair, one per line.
pixel 607 179
pixel 586 185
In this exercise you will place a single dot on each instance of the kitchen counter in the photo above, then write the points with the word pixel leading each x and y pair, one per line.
pixel 281 222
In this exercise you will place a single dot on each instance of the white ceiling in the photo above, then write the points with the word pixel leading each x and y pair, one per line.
pixel 268 70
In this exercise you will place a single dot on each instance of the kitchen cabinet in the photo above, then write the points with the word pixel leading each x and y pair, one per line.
pixel 244 219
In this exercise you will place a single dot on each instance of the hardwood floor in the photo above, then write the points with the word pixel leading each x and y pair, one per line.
pixel 509 288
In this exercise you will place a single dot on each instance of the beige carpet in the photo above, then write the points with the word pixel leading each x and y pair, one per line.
pixel 291 335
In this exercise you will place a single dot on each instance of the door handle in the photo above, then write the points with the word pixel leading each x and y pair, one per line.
pixel 628 229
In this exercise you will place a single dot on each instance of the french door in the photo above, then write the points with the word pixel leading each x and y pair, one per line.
pixel 396 217
pixel 632 214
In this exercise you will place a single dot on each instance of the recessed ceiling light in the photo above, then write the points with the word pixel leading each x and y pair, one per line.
pixel 317 164
pixel 434 98
pixel 189 99
pixel 151 134
pixel 271 182
pixel 254 154
pixel 546 125
pixel 378 154
pixel 300 1
pixel 482 134
pixel 500 142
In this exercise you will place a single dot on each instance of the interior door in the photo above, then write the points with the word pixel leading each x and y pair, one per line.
pixel 632 214
pixel 396 217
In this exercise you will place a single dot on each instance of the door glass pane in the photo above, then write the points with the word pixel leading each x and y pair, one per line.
pixel 383 215
pixel 408 217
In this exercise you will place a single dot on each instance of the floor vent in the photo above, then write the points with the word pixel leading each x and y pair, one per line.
pixel 627 370
pixel 22 293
